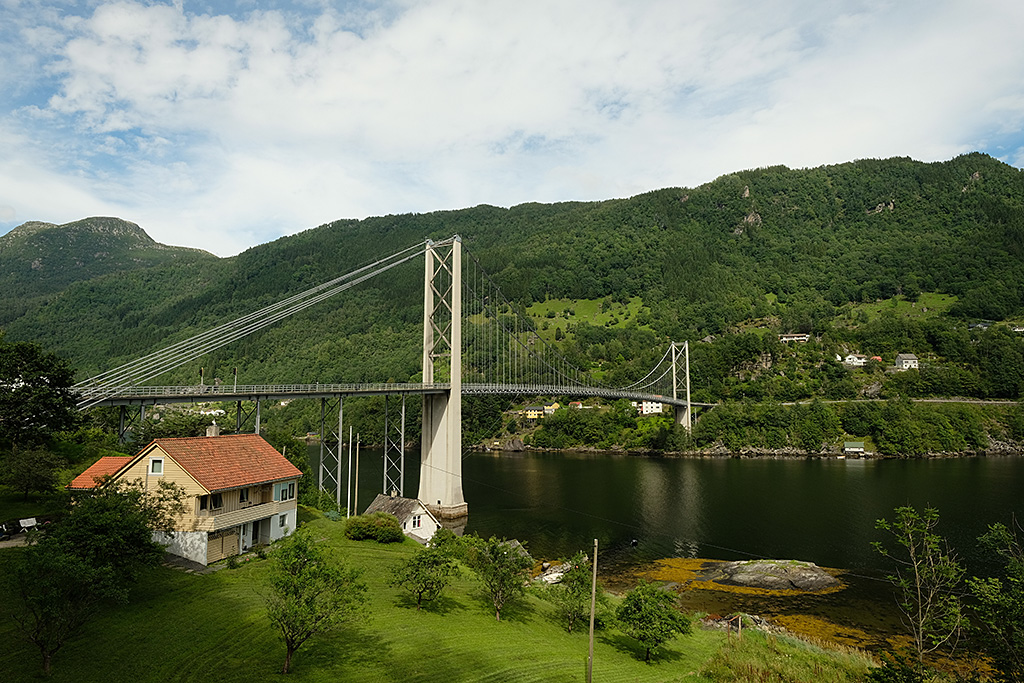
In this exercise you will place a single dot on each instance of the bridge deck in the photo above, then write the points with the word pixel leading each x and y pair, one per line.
pixel 153 395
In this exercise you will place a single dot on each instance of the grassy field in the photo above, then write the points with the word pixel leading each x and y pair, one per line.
pixel 212 627
pixel 555 313
pixel 928 305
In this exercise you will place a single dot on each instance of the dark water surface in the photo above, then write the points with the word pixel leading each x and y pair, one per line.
pixel 818 510
pixel 821 511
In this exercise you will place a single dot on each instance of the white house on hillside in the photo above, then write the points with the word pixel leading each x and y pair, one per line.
pixel 648 407
pixel 413 515
pixel 906 361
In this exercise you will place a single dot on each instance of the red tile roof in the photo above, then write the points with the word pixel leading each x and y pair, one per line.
pixel 230 461
pixel 105 466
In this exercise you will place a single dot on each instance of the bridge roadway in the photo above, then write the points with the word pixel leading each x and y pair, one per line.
pixel 155 395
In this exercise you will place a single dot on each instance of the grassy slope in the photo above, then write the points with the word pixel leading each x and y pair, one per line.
pixel 182 627
pixel 575 311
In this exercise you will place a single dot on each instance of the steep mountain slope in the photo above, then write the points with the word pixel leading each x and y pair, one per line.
pixel 788 245
pixel 37 259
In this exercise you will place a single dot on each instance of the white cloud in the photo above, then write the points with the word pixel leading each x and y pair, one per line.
pixel 220 131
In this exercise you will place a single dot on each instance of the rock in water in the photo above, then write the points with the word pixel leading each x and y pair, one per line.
pixel 773 575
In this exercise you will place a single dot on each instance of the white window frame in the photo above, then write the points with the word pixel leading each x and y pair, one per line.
pixel 417 521
pixel 152 470
pixel 284 491
pixel 243 495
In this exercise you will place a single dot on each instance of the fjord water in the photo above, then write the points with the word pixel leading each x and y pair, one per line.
pixel 817 510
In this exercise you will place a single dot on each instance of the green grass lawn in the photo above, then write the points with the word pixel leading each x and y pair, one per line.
pixel 185 627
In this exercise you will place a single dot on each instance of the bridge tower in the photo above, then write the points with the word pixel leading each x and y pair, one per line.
pixel 441 454
pixel 683 417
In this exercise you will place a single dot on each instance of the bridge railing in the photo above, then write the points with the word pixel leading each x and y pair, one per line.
pixel 230 392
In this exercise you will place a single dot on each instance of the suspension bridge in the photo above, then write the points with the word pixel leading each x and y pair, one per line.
pixel 475 342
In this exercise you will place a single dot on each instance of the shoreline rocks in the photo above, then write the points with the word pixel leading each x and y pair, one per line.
pixel 771 575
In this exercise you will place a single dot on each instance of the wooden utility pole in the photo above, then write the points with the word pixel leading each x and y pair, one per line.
pixel 593 606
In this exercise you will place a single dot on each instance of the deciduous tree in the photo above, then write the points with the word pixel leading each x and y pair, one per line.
pixel 29 470
pixel 89 556
pixel 927 576
pixel 35 395
pixel 651 616
pixel 502 568
pixel 426 574
pixel 59 593
pixel 571 595
pixel 310 593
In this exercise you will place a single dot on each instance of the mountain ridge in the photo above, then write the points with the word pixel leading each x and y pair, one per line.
pixel 771 243
pixel 39 258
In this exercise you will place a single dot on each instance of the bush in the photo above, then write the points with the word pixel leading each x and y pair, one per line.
pixel 379 526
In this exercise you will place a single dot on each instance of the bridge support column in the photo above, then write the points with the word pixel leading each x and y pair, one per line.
pixel 129 418
pixel 329 469
pixel 683 416
pixel 394 448
pixel 441 449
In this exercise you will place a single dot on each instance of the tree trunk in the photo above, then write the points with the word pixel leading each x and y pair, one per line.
pixel 647 657
pixel 289 650
pixel 46 663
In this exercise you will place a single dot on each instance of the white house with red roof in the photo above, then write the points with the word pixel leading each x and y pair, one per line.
pixel 239 491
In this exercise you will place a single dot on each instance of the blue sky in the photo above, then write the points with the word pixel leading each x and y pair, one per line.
pixel 222 125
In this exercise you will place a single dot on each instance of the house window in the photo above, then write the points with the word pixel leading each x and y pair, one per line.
pixel 284 491
pixel 417 521
pixel 243 496
pixel 216 501
pixel 283 521
pixel 156 466
pixel 204 502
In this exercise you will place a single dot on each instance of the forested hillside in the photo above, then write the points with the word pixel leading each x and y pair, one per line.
pixel 41 259
pixel 874 257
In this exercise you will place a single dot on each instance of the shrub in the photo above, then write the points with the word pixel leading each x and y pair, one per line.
pixel 378 526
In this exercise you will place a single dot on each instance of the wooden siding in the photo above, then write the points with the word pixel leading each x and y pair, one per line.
pixel 221 544
pixel 173 472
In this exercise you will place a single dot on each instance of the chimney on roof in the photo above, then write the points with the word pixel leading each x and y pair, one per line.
pixel 213 430
pixel 394 493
